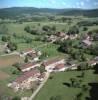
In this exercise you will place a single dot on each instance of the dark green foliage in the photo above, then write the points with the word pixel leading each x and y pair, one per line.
pixel 87 23
pixel 34 32
pixel 85 88
pixel 41 69
pixel 85 28
pixel 26 60
pixel 5 38
pixel 27 29
pixel 12 46
pixel 83 66
pixel 16 98
pixel 73 30
pixel 78 96
pixel 46 28
pixel 17 65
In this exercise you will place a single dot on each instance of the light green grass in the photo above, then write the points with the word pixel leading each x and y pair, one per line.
pixel 55 86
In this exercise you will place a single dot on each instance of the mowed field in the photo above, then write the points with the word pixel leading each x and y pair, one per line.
pixel 3 75
pixel 6 61
pixel 57 85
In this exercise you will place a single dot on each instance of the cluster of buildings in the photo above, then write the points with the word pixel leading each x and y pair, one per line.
pixel 31 73
pixel 61 36
pixel 32 54
pixel 87 41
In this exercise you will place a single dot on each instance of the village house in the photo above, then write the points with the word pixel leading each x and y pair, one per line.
pixel 33 56
pixel 73 36
pixel 60 34
pixel 59 68
pixel 27 51
pixel 71 65
pixel 52 63
pixel 92 63
pixel 96 59
pixel 29 66
pixel 86 43
pixel 25 80
pixel 51 38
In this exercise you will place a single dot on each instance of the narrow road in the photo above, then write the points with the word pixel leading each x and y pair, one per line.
pixel 40 86
pixel 13 53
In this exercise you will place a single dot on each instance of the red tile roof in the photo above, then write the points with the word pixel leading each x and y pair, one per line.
pixel 26 75
pixel 28 50
pixel 51 61
pixel 27 65
pixel 59 66
pixel 33 55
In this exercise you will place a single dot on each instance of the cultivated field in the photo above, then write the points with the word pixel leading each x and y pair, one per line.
pixel 6 61
pixel 3 75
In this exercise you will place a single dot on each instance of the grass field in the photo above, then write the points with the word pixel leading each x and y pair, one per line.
pixel 55 86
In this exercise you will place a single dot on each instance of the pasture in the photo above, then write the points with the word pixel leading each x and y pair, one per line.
pixel 56 86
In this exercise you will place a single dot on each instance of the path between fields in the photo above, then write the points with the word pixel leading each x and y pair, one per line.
pixel 42 45
pixel 40 86
pixel 13 53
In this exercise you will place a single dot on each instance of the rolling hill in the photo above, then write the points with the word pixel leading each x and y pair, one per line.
pixel 21 11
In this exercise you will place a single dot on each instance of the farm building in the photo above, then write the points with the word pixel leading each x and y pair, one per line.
pixel 52 63
pixel 29 66
pixel 24 81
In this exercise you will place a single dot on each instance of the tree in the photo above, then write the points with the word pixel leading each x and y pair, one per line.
pixel 17 65
pixel 53 28
pixel 41 69
pixel 28 40
pixel 65 46
pixel 12 46
pixel 78 96
pixel 34 32
pixel 83 57
pixel 26 59
pixel 85 88
pixel 6 38
pixel 46 28
pixel 73 80
pixel 27 29
pixel 85 28
pixel 83 66
pixel 73 30
pixel 16 98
